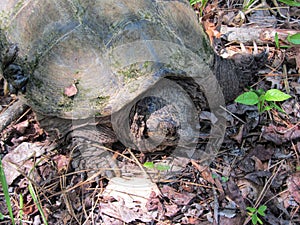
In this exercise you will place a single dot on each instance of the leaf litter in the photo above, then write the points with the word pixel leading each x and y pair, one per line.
pixel 258 163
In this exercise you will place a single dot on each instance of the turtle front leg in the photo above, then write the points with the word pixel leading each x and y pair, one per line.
pixel 12 72
pixel 16 78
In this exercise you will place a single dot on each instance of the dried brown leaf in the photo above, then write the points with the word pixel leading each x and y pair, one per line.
pixel 234 193
pixel 293 183
pixel 178 198
pixel 62 163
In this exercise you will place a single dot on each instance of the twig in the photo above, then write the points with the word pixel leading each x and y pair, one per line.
pixel 12 112
pixel 226 110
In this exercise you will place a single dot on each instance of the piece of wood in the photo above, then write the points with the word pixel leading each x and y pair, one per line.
pixel 12 113
pixel 261 36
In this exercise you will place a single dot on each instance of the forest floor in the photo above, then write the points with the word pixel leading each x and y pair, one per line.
pixel 254 179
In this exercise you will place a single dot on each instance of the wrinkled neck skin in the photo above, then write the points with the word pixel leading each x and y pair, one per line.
pixel 235 73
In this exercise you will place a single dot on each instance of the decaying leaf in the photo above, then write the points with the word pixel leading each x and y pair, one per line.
pixel 293 183
pixel 131 196
pixel 14 161
pixel 279 135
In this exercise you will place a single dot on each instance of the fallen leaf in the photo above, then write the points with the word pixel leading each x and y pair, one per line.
pixel 239 135
pixel 293 183
pixel 15 160
pixel 279 135
pixel 178 198
pixel 258 177
pixel 62 163
pixel 234 193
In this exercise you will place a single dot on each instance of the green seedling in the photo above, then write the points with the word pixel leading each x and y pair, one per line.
pixel 37 202
pixel 254 214
pixel 4 184
pixel 291 39
pixel 276 39
pixel 248 4
pixel 224 179
pixel 294 39
pixel 159 167
pixel 193 2
pixel 291 3
pixel 265 101
pixel 203 4
pixel 21 199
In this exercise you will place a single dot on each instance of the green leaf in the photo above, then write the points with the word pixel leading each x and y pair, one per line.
pixel 291 2
pixel 276 95
pixel 251 209
pixel 1 216
pixel 276 40
pixel 149 165
pixel 162 167
pixel 267 108
pixel 259 92
pixel 37 202
pixel 224 179
pixel 6 193
pixel 259 220
pixel 247 98
pixel 261 210
pixel 193 2
pixel 21 206
pixel 273 105
pixel 254 219
pixel 294 39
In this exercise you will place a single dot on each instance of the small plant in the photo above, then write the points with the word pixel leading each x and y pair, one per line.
pixel 6 194
pixel 224 179
pixel 276 39
pixel 193 2
pixel 264 100
pixel 159 167
pixel 295 38
pixel 203 4
pixel 254 212
pixel 247 4
pixel 36 201
pixel 291 3
pixel 291 40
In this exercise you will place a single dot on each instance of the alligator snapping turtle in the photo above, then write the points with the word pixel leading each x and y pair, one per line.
pixel 139 64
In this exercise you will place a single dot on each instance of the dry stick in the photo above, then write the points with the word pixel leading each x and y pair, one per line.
pixel 66 198
pixel 139 164
pixel 94 205
pixel 12 112
pixel 216 207
pixel 226 110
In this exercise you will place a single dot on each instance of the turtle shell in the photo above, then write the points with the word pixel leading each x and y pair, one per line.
pixel 93 57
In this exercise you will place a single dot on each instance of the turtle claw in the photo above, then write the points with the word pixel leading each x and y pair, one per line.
pixel 16 78
pixel 13 72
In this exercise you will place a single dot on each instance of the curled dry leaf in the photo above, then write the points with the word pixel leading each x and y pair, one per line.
pixel 62 163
